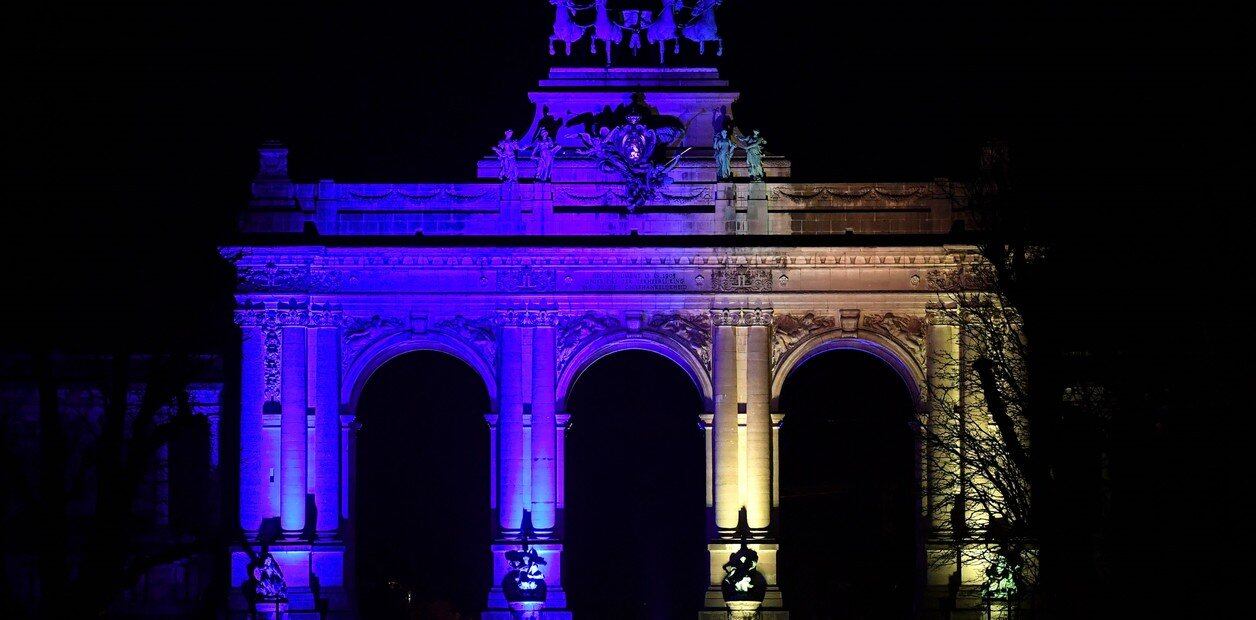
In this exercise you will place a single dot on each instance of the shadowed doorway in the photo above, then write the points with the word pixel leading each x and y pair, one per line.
pixel 635 499
pixel 422 507
pixel 848 490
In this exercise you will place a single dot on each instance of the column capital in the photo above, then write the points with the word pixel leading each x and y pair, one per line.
pixel 326 315
pixel 291 313
pixel 742 317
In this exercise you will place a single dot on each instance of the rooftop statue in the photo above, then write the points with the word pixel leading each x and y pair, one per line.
pixel 753 145
pixel 698 25
pixel 628 150
pixel 663 29
pixel 543 151
pixel 565 27
pixel 702 27
pixel 506 151
pixel 604 30
pixel 724 147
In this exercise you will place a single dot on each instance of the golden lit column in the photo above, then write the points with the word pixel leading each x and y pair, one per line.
pixel 724 425
pixel 544 431
pixel 941 468
pixel 943 377
pixel 758 420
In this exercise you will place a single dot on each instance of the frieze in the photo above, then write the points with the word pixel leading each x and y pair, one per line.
pixel 273 278
pixel 575 332
pixel 789 330
pixel 526 280
pixel 610 197
pixel 743 280
pixel 440 193
pixel 691 329
pixel 853 196
pixel 961 277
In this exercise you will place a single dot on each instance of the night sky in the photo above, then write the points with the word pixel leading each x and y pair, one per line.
pixel 130 134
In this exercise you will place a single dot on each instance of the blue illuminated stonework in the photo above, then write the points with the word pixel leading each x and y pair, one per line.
pixel 530 282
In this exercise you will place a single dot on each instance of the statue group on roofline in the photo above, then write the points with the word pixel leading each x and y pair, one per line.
pixel 726 144
pixel 675 21
pixel 629 152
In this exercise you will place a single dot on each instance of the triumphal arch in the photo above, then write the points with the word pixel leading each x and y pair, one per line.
pixel 634 213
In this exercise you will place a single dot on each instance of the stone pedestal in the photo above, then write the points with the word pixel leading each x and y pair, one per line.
pixel 315 576
pixel 773 605
pixel 271 610
pixel 555 606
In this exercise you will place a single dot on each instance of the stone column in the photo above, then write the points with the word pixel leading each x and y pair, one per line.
pixel 252 489
pixel 511 491
pixel 724 425
pixel 544 430
pixel 941 469
pixel 293 449
pixel 758 424
pixel 943 378
pixel 325 363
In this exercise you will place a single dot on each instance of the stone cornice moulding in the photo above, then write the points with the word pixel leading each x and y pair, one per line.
pixel 313 258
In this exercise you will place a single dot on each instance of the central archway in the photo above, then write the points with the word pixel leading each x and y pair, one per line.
pixel 849 488
pixel 635 477
pixel 422 519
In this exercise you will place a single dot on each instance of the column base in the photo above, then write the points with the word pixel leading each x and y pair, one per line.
pixel 313 572
pixel 773 606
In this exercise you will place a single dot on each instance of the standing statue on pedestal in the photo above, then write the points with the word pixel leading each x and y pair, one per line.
pixel 724 147
pixel 506 151
pixel 543 151
pixel 565 28
pixel 753 146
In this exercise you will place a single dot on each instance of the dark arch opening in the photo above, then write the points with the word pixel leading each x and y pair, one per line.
pixel 422 519
pixel 635 474
pixel 849 491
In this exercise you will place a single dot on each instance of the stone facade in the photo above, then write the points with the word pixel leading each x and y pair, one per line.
pixel 396 268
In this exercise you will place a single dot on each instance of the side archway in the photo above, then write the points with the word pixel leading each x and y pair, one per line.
pixel 380 352
pixel 850 462
pixel 898 358
pixel 609 344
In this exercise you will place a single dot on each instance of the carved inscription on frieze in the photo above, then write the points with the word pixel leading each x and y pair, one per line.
pixel 650 281
pixel 526 280
pixel 744 280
